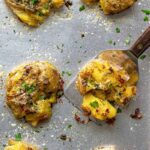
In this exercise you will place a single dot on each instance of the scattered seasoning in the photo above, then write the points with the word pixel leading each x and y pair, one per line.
pixel 137 114
pixel 34 1
pixel 146 11
pixel 67 62
pixel 18 137
pixel 37 131
pixel 146 18
pixel 78 119
pixel 63 137
pixel 117 30
pixel 119 110
pixel 68 3
pixel 142 57
pixel 82 8
pixel 82 35
pixel 111 121
pixel 69 126
pixel 94 104
pixel 45 148
pixel 114 43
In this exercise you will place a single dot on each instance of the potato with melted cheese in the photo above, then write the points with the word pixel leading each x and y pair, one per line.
pixel 110 78
pixel 19 145
pixel 33 12
pixel 115 6
pixel 32 89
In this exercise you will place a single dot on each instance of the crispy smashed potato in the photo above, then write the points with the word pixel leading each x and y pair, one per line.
pixel 112 6
pixel 110 78
pixel 32 89
pixel 19 145
pixel 33 12
pixel 115 6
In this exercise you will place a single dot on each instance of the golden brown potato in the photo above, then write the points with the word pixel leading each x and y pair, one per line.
pixel 19 145
pixel 98 108
pixel 33 12
pixel 115 6
pixel 111 77
pixel 31 89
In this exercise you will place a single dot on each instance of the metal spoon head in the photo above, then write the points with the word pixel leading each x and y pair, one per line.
pixel 122 58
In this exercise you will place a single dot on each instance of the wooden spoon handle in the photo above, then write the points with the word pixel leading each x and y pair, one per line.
pixel 142 43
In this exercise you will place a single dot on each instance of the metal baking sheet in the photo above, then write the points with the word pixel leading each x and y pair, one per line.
pixel 59 41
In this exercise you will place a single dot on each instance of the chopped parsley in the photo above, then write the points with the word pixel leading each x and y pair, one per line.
pixel 142 57
pixel 82 8
pixel 69 126
pixel 128 40
pixel 67 73
pixel 34 1
pixel 28 88
pixel 94 104
pixel 146 18
pixel 18 137
pixel 42 97
pixel 119 110
pixel 117 30
pixel 110 41
pixel 146 11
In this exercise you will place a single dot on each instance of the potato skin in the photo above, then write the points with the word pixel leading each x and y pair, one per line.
pixel 19 145
pixel 33 14
pixel 115 6
pixel 31 89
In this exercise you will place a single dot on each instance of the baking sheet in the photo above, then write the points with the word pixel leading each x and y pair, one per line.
pixel 59 41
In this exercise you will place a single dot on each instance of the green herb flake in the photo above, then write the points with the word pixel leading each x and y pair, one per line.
pixel 146 18
pixel 119 110
pixel 94 104
pixel 117 30
pixel 68 73
pixel 46 6
pixel 69 126
pixel 18 137
pixel 82 8
pixel 128 40
pixel 42 97
pixel 146 11
pixel 34 1
pixel 79 61
pixel 142 57
pixel 110 41
pixel 45 148
pixel 28 88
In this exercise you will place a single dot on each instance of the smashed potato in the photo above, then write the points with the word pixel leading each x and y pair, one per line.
pixel 33 12
pixel 32 89
pixel 19 145
pixel 110 78
pixel 112 6
pixel 115 6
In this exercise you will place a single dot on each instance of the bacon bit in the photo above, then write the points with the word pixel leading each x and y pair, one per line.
pixel 78 119
pixel 121 80
pixel 111 121
pixel 137 114
pixel 68 3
